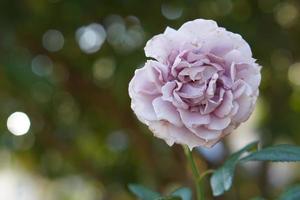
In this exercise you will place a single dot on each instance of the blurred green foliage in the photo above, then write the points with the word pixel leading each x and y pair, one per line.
pixel 73 86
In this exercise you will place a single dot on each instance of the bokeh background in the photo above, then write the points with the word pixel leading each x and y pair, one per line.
pixel 64 70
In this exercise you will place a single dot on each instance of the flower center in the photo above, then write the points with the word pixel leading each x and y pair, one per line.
pixel 200 80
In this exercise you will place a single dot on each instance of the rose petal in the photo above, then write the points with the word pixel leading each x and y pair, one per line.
pixel 141 97
pixel 172 134
pixel 217 123
pixel 245 108
pixel 210 91
pixel 142 107
pixel 192 91
pixel 193 119
pixel 198 27
pixel 237 57
pixel 167 91
pixel 146 86
pixel 165 111
pixel 206 134
pixel 226 106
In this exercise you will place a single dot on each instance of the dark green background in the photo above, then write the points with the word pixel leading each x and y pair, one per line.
pixel 84 127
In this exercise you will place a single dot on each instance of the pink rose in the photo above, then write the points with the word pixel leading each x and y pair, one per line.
pixel 201 84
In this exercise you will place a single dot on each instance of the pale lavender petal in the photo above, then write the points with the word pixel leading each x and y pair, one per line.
pixel 251 75
pixel 198 28
pixel 144 111
pixel 191 72
pixel 146 85
pixel 226 106
pixel 210 91
pixel 235 56
pixel 232 71
pixel 159 48
pixel 245 108
pixel 192 91
pixel 159 73
pixel 181 135
pixel 166 111
pixel 167 91
pixel 239 88
pixel 193 119
pixel 206 133
pixel 217 123
pixel 234 109
pixel 178 102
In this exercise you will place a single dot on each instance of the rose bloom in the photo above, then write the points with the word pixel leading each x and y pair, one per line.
pixel 200 84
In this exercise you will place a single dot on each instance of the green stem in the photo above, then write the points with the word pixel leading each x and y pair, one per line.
pixel 210 171
pixel 196 174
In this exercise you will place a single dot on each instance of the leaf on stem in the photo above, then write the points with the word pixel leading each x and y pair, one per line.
pixel 277 153
pixel 142 192
pixel 221 180
pixel 292 193
pixel 184 192
pixel 257 198
pixel 169 198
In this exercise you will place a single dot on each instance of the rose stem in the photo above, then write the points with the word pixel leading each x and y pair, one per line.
pixel 196 174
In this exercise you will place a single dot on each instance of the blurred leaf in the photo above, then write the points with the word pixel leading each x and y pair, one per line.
pixel 278 153
pixel 143 192
pixel 221 179
pixel 184 192
pixel 169 198
pixel 292 193
pixel 258 198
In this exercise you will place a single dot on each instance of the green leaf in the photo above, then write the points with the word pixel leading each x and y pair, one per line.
pixel 221 180
pixel 278 153
pixel 292 193
pixel 142 192
pixel 258 198
pixel 169 198
pixel 184 192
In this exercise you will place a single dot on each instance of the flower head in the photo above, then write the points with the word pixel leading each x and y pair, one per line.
pixel 200 85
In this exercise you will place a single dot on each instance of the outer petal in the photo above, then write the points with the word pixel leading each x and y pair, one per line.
pixel 142 107
pixel 238 57
pixel 161 46
pixel 218 123
pixel 158 47
pixel 207 134
pixel 167 91
pixel 198 28
pixel 246 106
pixel 250 73
pixel 142 83
pixel 142 92
pixel 172 134
pixel 193 119
pixel 226 106
pixel 166 111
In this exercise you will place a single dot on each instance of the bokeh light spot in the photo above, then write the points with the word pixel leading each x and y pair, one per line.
pixel 103 68
pixel 294 74
pixel 53 40
pixel 90 38
pixel 171 11
pixel 286 14
pixel 124 38
pixel 42 65
pixel 117 141
pixel 18 123
pixel 221 7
